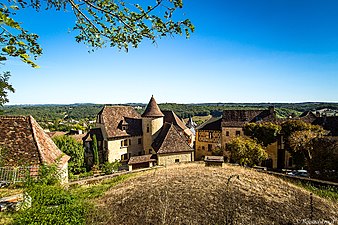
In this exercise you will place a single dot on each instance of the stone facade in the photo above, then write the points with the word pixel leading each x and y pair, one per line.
pixel 169 159
pixel 125 134
pixel 206 142
pixel 150 127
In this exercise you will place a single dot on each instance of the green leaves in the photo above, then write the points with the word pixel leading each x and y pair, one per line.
pixel 246 151
pixel 5 87
pixel 17 42
pixel 116 24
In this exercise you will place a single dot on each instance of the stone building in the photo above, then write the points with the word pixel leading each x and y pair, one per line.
pixel 208 137
pixel 215 133
pixel 124 133
pixel 24 143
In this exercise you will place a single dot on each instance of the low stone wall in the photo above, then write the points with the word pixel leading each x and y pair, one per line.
pixel 314 182
pixel 96 179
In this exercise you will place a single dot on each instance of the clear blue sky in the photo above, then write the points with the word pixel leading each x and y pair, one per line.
pixel 241 51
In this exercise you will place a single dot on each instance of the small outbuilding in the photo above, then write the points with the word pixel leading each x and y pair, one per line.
pixel 142 161
pixel 214 161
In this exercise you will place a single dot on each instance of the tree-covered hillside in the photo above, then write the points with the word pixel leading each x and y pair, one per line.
pixel 89 111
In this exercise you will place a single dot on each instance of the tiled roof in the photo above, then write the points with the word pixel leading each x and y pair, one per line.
pixel 94 131
pixel 214 123
pixel 113 117
pixel 56 133
pixel 171 117
pixel 237 118
pixel 214 159
pixel 169 140
pixel 152 109
pixel 23 142
pixel 77 137
pixel 142 159
pixel 308 117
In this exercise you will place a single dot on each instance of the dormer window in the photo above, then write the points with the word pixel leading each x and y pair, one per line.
pixel 124 127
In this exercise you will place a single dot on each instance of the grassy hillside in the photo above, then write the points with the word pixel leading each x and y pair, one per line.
pixel 194 194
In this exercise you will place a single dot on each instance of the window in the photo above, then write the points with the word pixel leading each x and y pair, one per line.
pixel 177 160
pixel 210 135
pixel 139 141
pixel 129 141
pixel 124 156
pixel 209 147
pixel 124 143
pixel 227 133
pixel 238 132
pixel 203 148
pixel 150 151
pixel 139 153
pixel 148 129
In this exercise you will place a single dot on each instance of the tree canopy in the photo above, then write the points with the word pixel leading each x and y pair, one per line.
pixel 74 149
pixel 99 23
pixel 246 151
pixel 5 87
pixel 264 133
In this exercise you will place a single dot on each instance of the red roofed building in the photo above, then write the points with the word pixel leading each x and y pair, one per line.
pixel 126 134
pixel 24 143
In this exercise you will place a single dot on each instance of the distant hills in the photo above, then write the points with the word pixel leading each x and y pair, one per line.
pixel 88 111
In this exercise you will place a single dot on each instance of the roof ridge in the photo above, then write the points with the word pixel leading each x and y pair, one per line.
pixel 13 117
pixel 34 137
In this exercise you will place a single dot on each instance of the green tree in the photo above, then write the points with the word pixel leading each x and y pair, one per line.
pixel 5 87
pixel 264 133
pixel 99 23
pixel 324 159
pixel 297 136
pixel 74 149
pixel 246 151
pixel 95 152
pixel 302 142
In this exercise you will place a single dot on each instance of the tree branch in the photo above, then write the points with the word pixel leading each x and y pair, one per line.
pixel 82 14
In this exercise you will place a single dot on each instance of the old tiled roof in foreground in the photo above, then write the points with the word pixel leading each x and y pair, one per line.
pixel 23 142
pixel 152 109
pixel 169 140
pixel 115 118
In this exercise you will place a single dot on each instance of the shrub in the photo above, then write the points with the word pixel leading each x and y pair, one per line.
pixel 109 168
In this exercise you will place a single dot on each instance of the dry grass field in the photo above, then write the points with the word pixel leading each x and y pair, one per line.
pixel 194 194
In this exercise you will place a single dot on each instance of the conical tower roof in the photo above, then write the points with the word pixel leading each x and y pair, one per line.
pixel 152 109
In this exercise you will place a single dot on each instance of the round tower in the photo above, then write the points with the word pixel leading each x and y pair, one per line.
pixel 152 121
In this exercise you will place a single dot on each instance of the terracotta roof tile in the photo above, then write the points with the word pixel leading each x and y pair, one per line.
pixel 237 118
pixel 23 142
pixel 142 159
pixel 152 109
pixel 214 123
pixel 113 117
pixel 169 140
pixel 94 131
pixel 171 117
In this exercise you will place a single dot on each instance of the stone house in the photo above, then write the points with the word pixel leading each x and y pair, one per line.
pixel 208 137
pixel 24 143
pixel 171 147
pixel 229 126
pixel 126 134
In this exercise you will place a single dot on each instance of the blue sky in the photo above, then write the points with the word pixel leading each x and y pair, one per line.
pixel 241 51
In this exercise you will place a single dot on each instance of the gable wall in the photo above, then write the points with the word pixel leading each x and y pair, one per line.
pixel 169 159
